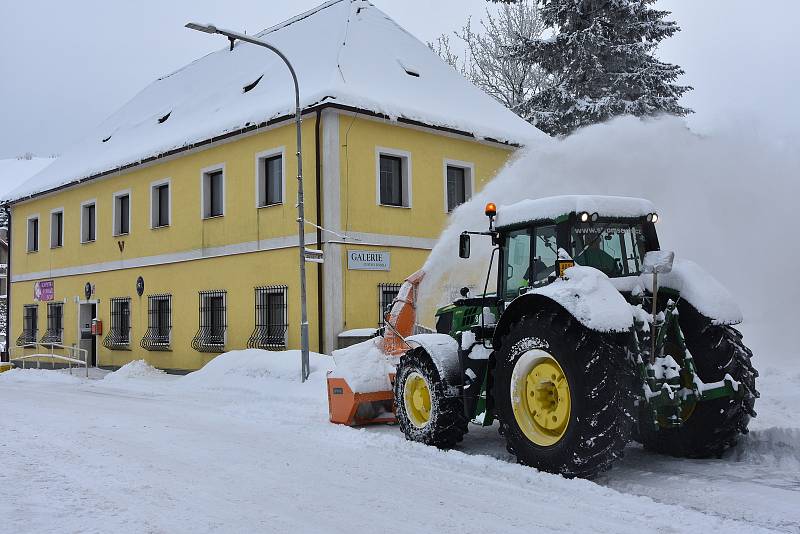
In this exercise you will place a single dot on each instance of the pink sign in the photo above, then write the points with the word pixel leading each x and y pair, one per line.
pixel 44 290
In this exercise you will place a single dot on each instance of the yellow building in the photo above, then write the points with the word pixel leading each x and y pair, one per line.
pixel 174 223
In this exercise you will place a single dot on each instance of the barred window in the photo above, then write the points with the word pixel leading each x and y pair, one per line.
pixel 30 324
pixel 272 320
pixel 159 323
pixel 55 323
pixel 386 295
pixel 119 334
pixel 211 335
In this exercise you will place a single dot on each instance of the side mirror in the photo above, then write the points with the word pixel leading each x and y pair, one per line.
pixel 463 246
pixel 658 262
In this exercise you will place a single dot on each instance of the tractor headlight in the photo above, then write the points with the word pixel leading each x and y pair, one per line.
pixel 652 217
pixel 584 216
pixel 595 216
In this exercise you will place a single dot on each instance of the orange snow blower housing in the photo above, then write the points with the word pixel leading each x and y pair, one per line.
pixel 348 407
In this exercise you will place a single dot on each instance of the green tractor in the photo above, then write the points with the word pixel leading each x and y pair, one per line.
pixel 594 337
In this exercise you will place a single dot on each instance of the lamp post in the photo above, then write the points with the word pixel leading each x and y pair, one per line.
pixel 233 36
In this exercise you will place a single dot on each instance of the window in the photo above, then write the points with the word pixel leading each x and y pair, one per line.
pixel 122 214
pixel 57 229
pixel 160 208
pixel 213 193
pixel 271 318
pixel 458 183
pixel 33 234
pixel 518 258
pixel 393 178
pixel 386 295
pixel 119 334
pixel 211 335
pixel 270 179
pixel 88 222
pixel 616 249
pixel 30 325
pixel 159 323
pixel 545 254
pixel 55 323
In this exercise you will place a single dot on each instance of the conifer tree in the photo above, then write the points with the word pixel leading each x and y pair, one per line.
pixel 601 55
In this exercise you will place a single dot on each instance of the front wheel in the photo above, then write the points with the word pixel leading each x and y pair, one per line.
pixel 563 394
pixel 426 411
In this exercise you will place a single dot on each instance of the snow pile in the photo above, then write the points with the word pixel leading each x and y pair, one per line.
pixel 137 369
pixel 46 376
pixel 552 207
pixel 589 295
pixel 364 366
pixel 717 197
pixel 775 447
pixel 332 48
pixel 253 369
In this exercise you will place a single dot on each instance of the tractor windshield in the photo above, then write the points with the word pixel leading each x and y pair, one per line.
pixel 616 249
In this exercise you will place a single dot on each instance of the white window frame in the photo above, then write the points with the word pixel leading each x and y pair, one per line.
pixel 52 213
pixel 260 190
pixel 469 178
pixel 28 233
pixel 405 170
pixel 84 204
pixel 153 185
pixel 114 226
pixel 205 184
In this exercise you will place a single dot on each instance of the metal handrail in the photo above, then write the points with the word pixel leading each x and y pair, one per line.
pixel 53 356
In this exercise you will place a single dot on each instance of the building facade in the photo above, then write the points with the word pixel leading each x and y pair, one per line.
pixel 193 251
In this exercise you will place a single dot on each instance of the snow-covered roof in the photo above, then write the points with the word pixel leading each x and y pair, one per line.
pixel 15 171
pixel 345 52
pixel 553 207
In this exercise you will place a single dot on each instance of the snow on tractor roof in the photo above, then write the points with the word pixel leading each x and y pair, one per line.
pixel 346 52
pixel 553 207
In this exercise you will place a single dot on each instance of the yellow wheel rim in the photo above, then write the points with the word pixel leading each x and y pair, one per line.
pixel 540 397
pixel 417 399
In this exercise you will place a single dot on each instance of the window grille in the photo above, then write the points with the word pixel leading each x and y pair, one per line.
pixel 55 323
pixel 30 325
pixel 386 295
pixel 211 335
pixel 119 334
pixel 159 323
pixel 272 321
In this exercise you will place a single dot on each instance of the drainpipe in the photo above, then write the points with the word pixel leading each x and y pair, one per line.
pixel 4 356
pixel 320 277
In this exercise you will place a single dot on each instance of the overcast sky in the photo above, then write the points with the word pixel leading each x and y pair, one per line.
pixel 65 66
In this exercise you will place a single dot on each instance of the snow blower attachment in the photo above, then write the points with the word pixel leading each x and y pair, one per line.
pixel 347 403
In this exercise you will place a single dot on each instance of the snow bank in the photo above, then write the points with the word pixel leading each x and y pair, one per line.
pixel 48 376
pixel 589 296
pixel 364 366
pixel 718 197
pixel 253 368
pixel 137 369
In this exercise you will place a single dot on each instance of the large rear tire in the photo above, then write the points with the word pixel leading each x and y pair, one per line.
pixel 425 412
pixel 564 394
pixel 712 426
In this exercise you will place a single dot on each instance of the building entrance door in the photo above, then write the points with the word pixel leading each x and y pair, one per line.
pixel 88 311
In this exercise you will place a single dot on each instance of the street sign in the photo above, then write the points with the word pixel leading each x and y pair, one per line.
pixel 368 260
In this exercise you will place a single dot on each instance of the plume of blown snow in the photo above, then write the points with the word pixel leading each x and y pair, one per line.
pixel 725 200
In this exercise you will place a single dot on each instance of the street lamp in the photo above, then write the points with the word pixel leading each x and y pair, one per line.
pixel 233 36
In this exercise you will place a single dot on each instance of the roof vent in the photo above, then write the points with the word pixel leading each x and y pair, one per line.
pixel 107 138
pixel 250 86
pixel 410 70
pixel 164 118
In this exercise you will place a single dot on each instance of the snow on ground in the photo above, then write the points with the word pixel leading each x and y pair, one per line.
pixel 244 446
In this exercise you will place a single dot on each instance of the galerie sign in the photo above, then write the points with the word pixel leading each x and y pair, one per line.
pixel 368 260
pixel 44 290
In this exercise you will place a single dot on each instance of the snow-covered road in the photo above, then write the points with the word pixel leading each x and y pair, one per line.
pixel 255 453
